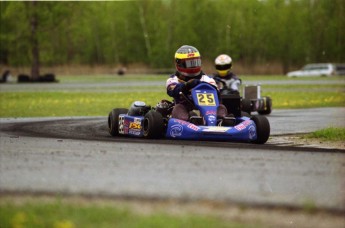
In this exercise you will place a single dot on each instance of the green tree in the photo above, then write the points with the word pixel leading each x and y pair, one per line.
pixel 291 32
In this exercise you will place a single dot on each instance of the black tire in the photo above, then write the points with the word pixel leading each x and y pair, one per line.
pixel 154 125
pixel 246 105
pixel 113 120
pixel 268 107
pixel 262 129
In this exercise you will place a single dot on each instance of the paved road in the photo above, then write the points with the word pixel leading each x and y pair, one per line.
pixel 138 85
pixel 76 155
pixel 305 120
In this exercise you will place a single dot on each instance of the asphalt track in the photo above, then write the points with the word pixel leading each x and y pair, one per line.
pixel 78 156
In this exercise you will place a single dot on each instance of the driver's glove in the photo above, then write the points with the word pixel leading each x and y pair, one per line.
pixel 190 85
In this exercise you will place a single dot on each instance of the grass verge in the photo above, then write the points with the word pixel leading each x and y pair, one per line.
pixel 39 104
pixel 72 98
pixel 55 213
pixel 328 134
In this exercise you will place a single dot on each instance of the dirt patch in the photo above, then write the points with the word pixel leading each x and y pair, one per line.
pixel 301 141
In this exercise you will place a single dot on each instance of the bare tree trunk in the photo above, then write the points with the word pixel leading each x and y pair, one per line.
pixel 145 32
pixel 35 72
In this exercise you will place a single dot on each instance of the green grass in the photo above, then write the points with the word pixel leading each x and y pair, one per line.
pixel 158 77
pixel 305 99
pixel 329 134
pixel 39 213
pixel 111 78
pixel 39 104
pixel 30 104
pixel 35 100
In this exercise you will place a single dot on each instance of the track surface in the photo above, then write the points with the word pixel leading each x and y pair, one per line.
pixel 76 155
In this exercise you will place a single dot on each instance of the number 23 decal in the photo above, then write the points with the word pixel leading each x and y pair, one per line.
pixel 206 99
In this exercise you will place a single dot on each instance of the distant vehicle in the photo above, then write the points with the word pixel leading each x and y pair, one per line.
pixel 319 69
pixel 339 69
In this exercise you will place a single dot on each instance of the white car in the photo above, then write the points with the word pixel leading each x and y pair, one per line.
pixel 315 69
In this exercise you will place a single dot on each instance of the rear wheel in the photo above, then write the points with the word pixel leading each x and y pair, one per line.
pixel 246 105
pixel 268 107
pixel 153 125
pixel 262 129
pixel 113 120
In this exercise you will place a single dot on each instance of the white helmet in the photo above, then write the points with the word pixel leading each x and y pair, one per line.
pixel 223 64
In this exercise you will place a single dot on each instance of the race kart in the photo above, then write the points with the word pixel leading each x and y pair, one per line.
pixel 252 100
pixel 141 120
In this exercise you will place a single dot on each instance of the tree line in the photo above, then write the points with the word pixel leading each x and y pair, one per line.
pixel 291 32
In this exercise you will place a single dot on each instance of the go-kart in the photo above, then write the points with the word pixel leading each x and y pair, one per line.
pixel 141 120
pixel 252 101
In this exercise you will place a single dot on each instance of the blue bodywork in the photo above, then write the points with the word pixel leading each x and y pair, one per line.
pixel 205 98
pixel 179 129
pixel 244 131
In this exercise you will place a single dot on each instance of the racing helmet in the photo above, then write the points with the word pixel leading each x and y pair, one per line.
pixel 223 64
pixel 188 61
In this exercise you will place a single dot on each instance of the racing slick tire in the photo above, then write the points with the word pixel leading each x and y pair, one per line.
pixel 268 106
pixel 246 105
pixel 153 125
pixel 113 120
pixel 262 129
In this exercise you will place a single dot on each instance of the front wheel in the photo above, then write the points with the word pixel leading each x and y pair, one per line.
pixel 262 129
pixel 113 120
pixel 153 125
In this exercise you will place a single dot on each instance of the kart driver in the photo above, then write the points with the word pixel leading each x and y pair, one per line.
pixel 227 81
pixel 188 75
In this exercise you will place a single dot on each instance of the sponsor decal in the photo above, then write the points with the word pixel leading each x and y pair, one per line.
pixel 247 123
pixel 193 127
pixel 211 118
pixel 210 113
pixel 252 132
pixel 243 125
pixel 181 122
pixel 216 129
pixel 125 126
pixel 137 120
pixel 134 132
pixel 240 127
pixel 134 125
pixel 176 130
pixel 190 55
pixel 121 122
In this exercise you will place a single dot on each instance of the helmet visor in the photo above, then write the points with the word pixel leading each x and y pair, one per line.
pixel 223 67
pixel 189 63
